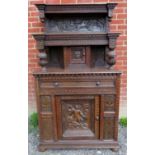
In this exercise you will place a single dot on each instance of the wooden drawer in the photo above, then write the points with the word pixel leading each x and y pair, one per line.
pixel 77 84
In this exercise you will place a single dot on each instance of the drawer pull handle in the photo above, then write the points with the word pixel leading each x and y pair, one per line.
pixel 97 118
pixel 56 84
pixel 97 83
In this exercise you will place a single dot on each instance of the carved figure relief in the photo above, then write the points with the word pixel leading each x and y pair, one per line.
pixel 75 115
pixel 75 25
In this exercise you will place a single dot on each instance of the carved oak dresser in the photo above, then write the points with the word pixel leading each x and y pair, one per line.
pixel 77 88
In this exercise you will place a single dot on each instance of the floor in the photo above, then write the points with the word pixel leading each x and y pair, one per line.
pixel 33 142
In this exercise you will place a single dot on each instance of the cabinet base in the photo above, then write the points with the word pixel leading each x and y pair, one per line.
pixel 78 144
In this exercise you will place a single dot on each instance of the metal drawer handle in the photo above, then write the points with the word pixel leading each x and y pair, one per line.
pixel 97 83
pixel 97 118
pixel 56 84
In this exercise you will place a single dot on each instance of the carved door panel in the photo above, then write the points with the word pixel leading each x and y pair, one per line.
pixel 77 56
pixel 78 117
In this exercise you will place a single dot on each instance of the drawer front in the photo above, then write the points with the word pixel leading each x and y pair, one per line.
pixel 77 84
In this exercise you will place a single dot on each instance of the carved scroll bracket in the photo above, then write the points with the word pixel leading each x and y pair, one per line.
pixel 110 7
pixel 41 8
pixel 42 52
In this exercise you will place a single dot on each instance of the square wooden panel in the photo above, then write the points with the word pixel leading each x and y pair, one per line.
pixel 77 56
pixel 76 115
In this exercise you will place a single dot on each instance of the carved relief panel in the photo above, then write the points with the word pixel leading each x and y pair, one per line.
pixel 78 117
pixel 45 103
pixel 109 102
pixel 76 24
pixel 77 56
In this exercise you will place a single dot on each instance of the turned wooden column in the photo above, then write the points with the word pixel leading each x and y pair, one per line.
pixel 42 51
pixel 110 49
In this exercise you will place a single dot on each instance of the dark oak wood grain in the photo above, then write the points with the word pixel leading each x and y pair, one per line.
pixel 77 90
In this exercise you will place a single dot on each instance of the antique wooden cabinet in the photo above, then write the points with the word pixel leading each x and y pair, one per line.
pixel 77 88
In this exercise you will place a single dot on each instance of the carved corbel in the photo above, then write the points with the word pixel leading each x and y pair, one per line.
pixel 110 52
pixel 42 52
pixel 112 39
pixel 110 7
pixel 110 56
pixel 41 8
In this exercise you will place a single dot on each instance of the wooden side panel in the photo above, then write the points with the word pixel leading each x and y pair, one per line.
pixel 109 102
pixel 47 127
pixel 101 116
pixel 47 118
pixel 45 103
pixel 97 117
pixel 109 126
pixel 58 116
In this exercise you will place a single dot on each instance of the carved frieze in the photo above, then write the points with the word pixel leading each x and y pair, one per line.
pixel 75 25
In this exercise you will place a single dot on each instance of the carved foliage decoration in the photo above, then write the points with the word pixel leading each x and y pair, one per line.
pixel 76 25
pixel 108 127
pixel 109 102
pixel 76 114
pixel 45 104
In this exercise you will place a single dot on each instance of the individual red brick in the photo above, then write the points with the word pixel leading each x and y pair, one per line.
pixel 116 1
pixel 118 10
pixel 34 14
pixel 37 24
pixel 113 27
pixel 121 48
pixel 32 8
pixel 122 5
pixel 123 37
pixel 84 1
pixel 52 1
pixel 104 1
pixel 120 27
pixel 117 22
pixel 33 51
pixel 33 19
pixel 30 45
pixel 36 2
pixel 33 30
pixel 68 1
pixel 121 16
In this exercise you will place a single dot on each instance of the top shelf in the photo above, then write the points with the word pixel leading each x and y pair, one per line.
pixel 105 8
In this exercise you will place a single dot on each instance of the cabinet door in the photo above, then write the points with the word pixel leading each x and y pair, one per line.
pixel 78 117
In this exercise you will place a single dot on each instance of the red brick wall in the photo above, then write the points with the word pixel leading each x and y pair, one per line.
pixel 118 24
